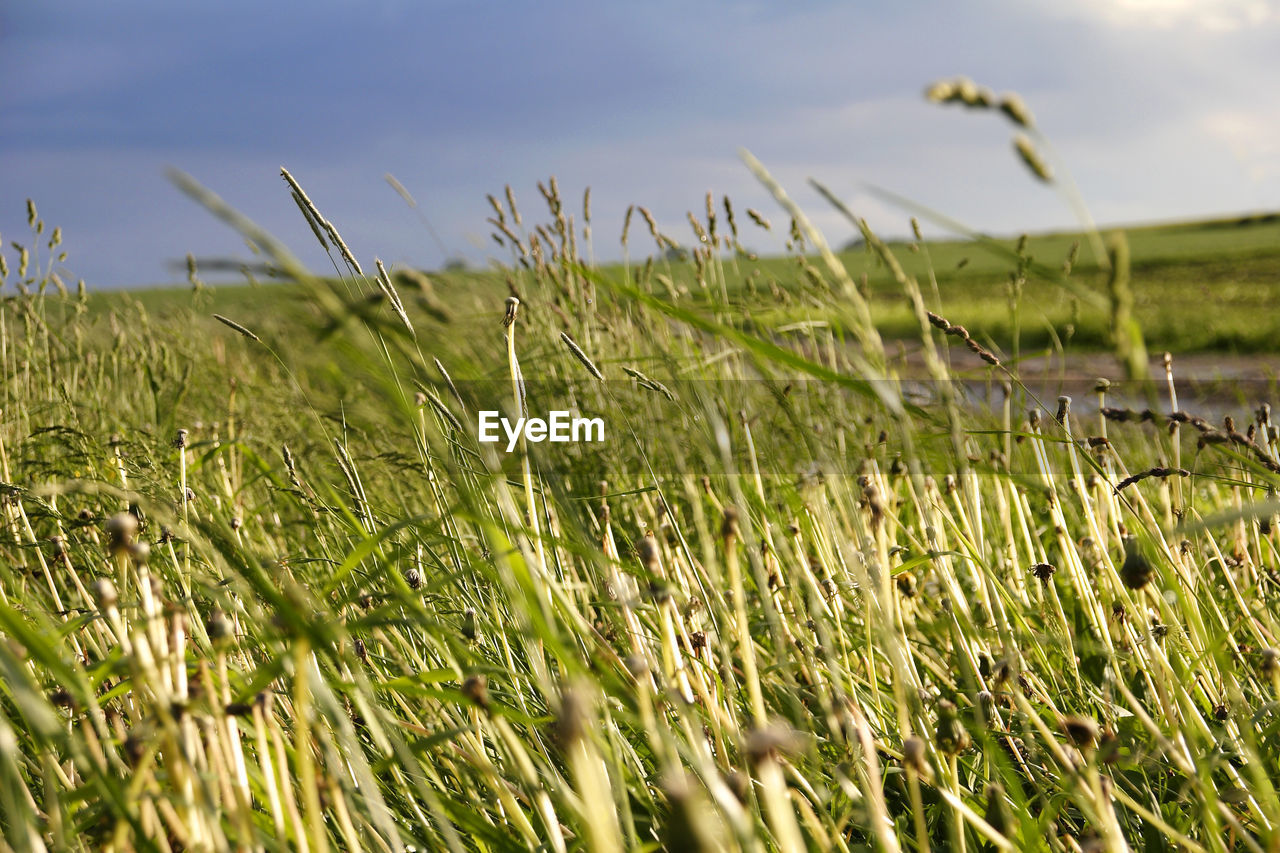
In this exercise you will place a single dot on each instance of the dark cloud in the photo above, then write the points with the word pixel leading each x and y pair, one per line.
pixel 648 103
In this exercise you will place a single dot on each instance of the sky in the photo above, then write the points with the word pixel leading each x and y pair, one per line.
pixel 1157 109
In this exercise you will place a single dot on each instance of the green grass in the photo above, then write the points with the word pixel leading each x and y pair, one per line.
pixel 778 608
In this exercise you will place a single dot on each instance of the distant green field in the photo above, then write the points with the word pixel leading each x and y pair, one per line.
pixel 1198 286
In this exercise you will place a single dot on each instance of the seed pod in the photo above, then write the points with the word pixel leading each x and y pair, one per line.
pixel 140 553
pixel 571 721
pixel 1043 571
pixel 413 578
pixel 475 689
pixel 104 593
pixel 692 823
pixel 951 737
pixel 219 627
pixel 998 812
pixel 729 526
pixel 987 704
pixel 134 750
pixel 1136 572
pixel 513 305
pixel 1270 662
pixel 1108 747
pixel 637 666
pixel 659 591
pixel 1083 732
pixel 768 742
pixel 647 549
pixel 914 755
pixel 120 530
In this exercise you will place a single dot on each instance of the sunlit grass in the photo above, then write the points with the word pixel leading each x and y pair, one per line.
pixel 268 591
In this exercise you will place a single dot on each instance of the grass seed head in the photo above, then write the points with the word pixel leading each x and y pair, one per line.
pixel 234 325
pixel 513 305
pixel 497 209
pixel 1012 105
pixel 626 223
pixel 758 218
pixel 511 203
pixel 1031 157
pixel 581 356
pixel 728 216
pixel 940 92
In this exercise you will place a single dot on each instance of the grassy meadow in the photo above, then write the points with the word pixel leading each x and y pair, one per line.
pixel 262 588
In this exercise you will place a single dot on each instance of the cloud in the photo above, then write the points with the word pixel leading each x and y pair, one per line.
pixel 1158 111
pixel 1219 16
pixel 1252 137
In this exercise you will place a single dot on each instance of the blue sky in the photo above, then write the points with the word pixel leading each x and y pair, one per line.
pixel 1161 109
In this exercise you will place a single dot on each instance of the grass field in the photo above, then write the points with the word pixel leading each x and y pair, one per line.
pixel 261 586
pixel 1176 268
